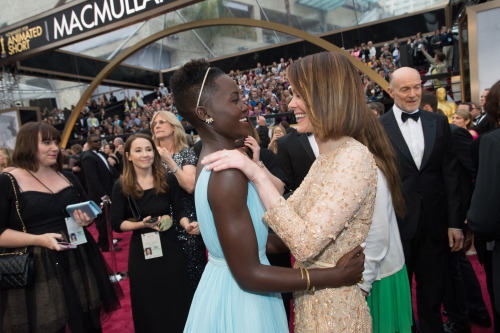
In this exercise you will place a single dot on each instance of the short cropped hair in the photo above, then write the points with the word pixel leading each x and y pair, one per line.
pixel 429 98
pixel 377 106
pixel 186 85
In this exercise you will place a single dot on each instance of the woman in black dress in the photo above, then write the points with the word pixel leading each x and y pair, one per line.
pixel 71 289
pixel 159 287
pixel 179 160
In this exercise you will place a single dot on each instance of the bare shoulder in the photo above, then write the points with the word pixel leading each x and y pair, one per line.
pixel 227 187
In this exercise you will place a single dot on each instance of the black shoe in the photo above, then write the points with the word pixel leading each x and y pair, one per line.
pixel 451 326
pixel 483 320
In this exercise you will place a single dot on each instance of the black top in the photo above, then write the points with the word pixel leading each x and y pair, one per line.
pixel 41 212
pixel 150 204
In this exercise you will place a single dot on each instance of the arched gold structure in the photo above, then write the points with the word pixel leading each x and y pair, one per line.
pixel 201 24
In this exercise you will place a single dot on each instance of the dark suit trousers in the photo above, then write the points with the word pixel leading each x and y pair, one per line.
pixel 488 270
pixel 463 294
pixel 427 258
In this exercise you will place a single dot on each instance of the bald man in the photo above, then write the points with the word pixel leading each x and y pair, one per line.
pixel 429 172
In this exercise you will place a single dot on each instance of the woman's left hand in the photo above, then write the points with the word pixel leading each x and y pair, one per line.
pixel 233 159
pixel 251 143
pixel 192 228
pixel 81 218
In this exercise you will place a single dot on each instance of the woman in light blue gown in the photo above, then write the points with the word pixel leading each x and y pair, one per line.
pixel 238 291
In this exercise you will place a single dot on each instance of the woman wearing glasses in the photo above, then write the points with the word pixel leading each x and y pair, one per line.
pixel 170 140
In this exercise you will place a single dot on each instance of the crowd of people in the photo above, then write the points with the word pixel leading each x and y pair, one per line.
pixel 351 174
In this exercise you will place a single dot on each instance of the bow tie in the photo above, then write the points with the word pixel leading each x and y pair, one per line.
pixel 414 116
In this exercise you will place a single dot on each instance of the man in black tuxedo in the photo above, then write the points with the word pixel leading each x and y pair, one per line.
pixel 296 156
pixel 463 299
pixel 263 132
pixel 430 177
pixel 100 178
pixel 484 213
pixel 80 124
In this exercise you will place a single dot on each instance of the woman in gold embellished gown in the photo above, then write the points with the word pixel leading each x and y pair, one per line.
pixel 331 212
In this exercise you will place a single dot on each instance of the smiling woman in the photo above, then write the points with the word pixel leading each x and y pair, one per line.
pixel 170 140
pixel 331 211
pixel 148 188
pixel 238 289
pixel 72 283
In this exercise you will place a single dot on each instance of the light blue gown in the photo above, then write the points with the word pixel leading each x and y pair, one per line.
pixel 219 304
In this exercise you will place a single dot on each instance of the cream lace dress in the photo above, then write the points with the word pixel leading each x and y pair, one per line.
pixel 327 216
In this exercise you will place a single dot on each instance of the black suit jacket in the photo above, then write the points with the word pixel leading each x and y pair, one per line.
pixel 434 189
pixel 100 179
pixel 484 213
pixel 462 141
pixel 296 157
pixel 263 133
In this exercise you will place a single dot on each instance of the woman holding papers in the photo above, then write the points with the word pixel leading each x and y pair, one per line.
pixel 71 288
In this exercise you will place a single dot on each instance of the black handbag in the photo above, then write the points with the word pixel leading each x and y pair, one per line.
pixel 134 208
pixel 17 269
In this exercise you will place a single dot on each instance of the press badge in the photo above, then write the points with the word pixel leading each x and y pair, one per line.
pixel 151 245
pixel 75 232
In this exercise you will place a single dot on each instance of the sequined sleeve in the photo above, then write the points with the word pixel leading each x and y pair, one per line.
pixel 330 197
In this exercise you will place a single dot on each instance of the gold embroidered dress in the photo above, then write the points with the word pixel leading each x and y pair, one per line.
pixel 327 216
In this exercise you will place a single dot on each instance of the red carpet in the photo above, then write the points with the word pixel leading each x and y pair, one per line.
pixel 121 320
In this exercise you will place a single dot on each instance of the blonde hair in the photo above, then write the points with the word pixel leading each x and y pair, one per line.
pixel 274 147
pixel 466 115
pixel 7 155
pixel 180 141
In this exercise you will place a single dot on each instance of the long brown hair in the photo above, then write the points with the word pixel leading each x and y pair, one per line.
pixel 130 185
pixel 26 147
pixel 331 90
pixel 330 87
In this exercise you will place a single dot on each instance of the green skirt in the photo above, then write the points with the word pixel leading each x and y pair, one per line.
pixel 390 304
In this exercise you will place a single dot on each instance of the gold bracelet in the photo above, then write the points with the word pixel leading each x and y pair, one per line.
pixel 308 281
pixel 301 273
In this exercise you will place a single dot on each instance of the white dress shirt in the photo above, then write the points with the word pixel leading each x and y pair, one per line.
pixel 314 144
pixel 102 158
pixel 413 134
pixel 384 252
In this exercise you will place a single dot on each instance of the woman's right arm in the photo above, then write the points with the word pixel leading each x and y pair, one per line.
pixel 227 196
pixel 428 56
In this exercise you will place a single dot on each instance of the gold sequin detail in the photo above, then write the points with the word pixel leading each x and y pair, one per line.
pixel 327 216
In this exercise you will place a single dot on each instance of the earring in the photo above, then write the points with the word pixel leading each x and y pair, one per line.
pixel 209 120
